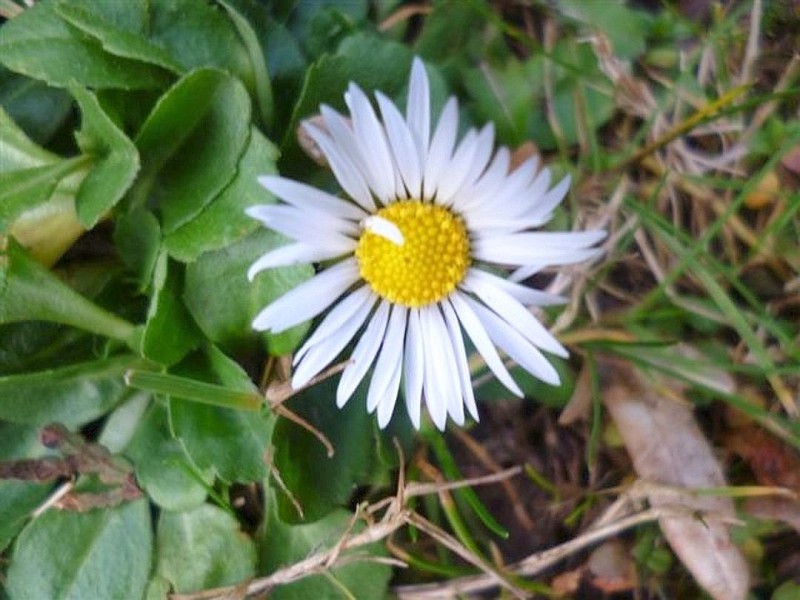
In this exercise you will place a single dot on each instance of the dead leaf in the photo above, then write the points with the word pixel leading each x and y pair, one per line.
pixel 667 447
pixel 580 403
pixel 308 144
pixel 772 461
pixel 786 510
pixel 567 583
pixel 611 568
pixel 791 160
pixel 765 193
pixel 522 153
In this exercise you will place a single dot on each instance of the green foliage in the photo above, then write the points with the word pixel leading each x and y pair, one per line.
pixel 73 395
pixel 225 318
pixel 298 453
pixel 202 548
pixel 191 144
pixel 18 498
pixel 284 544
pixel 115 159
pixel 98 554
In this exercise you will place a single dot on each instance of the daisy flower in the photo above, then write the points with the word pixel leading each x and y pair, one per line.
pixel 417 252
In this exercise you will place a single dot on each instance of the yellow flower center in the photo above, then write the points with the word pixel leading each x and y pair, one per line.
pixel 427 266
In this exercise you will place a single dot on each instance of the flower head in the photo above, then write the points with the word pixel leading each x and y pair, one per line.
pixel 415 248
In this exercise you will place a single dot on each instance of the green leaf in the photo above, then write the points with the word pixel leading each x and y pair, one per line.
pixel 97 554
pixel 39 44
pixel 169 333
pixel 158 588
pixel 115 40
pixel 223 221
pixel 198 34
pixel 627 28
pixel 37 345
pixel 17 151
pixel 203 548
pixel 371 62
pixel 37 197
pixel 225 316
pixel 39 109
pixel 116 160
pixel 191 144
pixel 284 544
pixel 230 442
pixel 321 25
pixel 71 395
pixel 582 94
pixel 28 189
pixel 162 468
pixel 298 452
pixel 18 498
pixel 261 87
pixel 451 30
pixel 504 95
pixel 191 389
pixel 137 237
pixel 30 292
pixel 31 176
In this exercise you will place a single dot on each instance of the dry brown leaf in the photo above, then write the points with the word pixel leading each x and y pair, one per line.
pixel 773 462
pixel 611 568
pixel 786 510
pixel 791 160
pixel 668 448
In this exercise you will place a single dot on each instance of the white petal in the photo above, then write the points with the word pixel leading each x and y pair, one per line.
pixel 307 197
pixel 387 404
pixel 483 152
pixel 384 228
pixel 517 347
pixel 526 271
pixel 404 148
pixel 460 352
pixel 348 141
pixel 413 367
pixel 543 208
pixel 356 305
pixel 301 225
pixel 528 209
pixel 441 149
pixel 372 142
pixel 508 195
pixel 308 299
pixel 472 197
pixel 541 247
pixel 450 376
pixel 435 368
pixel 516 315
pixel 522 293
pixel 363 355
pixel 389 358
pixel 294 254
pixel 346 172
pixel 316 357
pixel 457 171
pixel 537 189
pixel 418 111
pixel 480 339
pixel 496 172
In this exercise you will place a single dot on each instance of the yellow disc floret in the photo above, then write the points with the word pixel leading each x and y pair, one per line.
pixel 427 266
